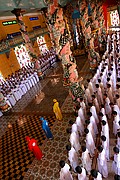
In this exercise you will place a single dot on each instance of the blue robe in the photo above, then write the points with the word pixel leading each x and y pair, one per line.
pixel 46 129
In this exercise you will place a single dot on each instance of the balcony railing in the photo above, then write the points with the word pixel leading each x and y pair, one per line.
pixel 6 44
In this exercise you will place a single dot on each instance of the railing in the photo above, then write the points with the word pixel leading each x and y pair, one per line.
pixel 6 44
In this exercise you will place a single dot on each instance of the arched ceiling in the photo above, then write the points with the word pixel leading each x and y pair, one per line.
pixel 28 6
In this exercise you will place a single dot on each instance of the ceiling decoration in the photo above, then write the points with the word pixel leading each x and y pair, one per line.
pixel 30 6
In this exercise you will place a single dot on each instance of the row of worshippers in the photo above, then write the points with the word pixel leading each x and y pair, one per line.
pixel 47 59
pixel 17 85
pixel 98 116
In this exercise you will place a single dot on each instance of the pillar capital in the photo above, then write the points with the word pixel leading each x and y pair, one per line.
pixel 16 12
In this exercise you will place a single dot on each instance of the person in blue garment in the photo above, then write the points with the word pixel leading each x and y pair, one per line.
pixel 46 128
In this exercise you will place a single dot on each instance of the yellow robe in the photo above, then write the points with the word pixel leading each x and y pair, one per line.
pixel 57 111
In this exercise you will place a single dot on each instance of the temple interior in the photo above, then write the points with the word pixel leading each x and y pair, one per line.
pixel 59 90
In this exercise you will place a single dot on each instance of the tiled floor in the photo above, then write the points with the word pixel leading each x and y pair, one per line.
pixel 16 162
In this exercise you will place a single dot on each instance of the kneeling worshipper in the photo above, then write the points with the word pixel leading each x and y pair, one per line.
pixel 96 175
pixel 102 162
pixel 46 128
pixel 116 161
pixel 32 146
pixel 65 173
pixel 72 156
pixel 81 173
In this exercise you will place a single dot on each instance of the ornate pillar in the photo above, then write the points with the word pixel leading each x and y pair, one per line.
pixel 93 56
pixel 61 38
pixel 33 56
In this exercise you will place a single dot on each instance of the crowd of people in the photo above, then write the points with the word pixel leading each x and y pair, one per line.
pixel 16 85
pixel 47 59
pixel 95 112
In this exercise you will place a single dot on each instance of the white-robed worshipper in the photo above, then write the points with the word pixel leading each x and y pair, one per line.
pixel 92 120
pixel 116 120
pixel 99 94
pixel 118 100
pixel 115 107
pixel 101 85
pixel 90 128
pixel 102 162
pixel 72 156
pixel 107 106
pixel 80 125
pixel 94 112
pixel 102 109
pixel 74 140
pixel 105 145
pixel 90 86
pixel 81 173
pixel 65 173
pixel 109 81
pixel 11 98
pixel 75 129
pixel 90 144
pixel 82 104
pixel 116 161
pixel 118 140
pixel 86 160
pixel 88 97
pixel 81 114
pixel 96 104
pixel 103 117
pixel 105 129
pixel 117 91
pixel 110 93
pixel 96 175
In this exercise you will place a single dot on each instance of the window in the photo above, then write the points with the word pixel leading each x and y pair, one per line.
pixel 33 18
pixel 42 44
pixel 22 55
pixel 114 16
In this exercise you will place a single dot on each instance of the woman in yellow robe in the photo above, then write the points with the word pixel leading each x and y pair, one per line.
pixel 57 110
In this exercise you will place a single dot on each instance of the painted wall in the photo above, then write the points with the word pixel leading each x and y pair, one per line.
pixel 48 41
pixel 10 65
